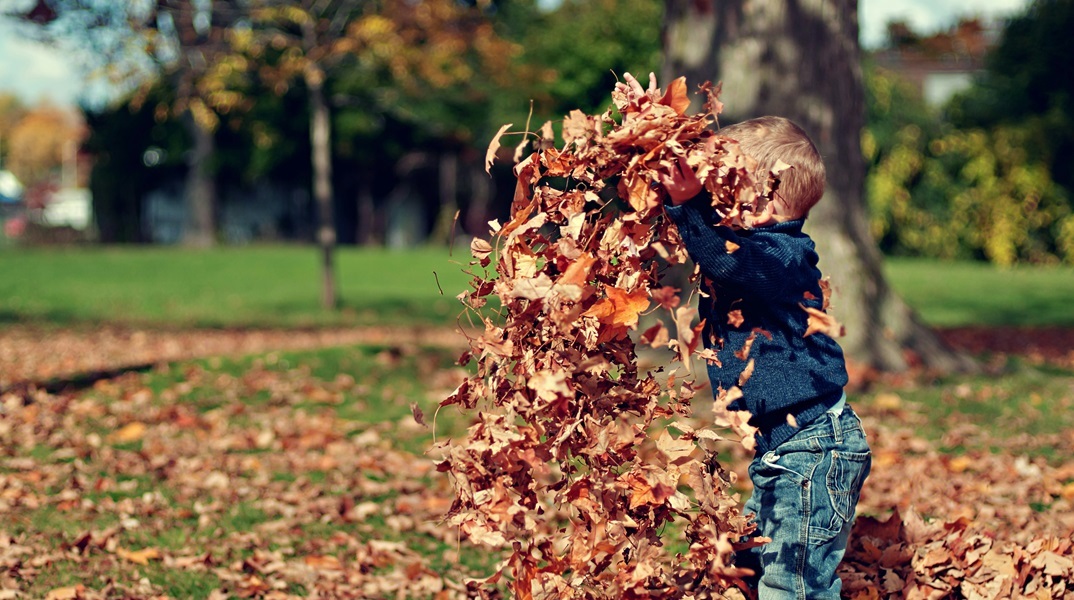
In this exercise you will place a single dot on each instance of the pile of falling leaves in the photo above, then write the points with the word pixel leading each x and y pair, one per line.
pixel 597 479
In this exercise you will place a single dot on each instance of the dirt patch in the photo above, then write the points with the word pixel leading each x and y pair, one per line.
pixel 1052 345
pixel 36 355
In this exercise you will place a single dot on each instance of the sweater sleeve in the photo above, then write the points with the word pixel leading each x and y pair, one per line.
pixel 754 263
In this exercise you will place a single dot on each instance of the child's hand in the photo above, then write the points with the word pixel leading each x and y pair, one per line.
pixel 633 97
pixel 681 182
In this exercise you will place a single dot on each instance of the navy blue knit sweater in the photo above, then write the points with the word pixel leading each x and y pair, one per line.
pixel 769 278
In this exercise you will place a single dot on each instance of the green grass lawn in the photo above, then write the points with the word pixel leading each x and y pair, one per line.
pixel 280 286
pixel 950 294
pixel 227 287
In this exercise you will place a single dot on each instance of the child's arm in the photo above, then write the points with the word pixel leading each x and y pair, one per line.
pixel 722 254
pixel 726 257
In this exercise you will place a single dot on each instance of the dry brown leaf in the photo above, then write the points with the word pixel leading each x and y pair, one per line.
pixel 323 562
pixel 734 318
pixel 140 557
pixel 822 322
pixel 676 96
pixel 130 432
pixel 494 147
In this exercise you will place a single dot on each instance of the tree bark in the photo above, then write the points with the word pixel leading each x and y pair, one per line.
pixel 366 235
pixel 449 205
pixel 321 144
pixel 801 59
pixel 477 215
pixel 200 226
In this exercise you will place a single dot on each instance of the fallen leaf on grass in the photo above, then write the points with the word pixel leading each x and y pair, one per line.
pixel 324 563
pixel 131 432
pixel 141 557
pixel 74 592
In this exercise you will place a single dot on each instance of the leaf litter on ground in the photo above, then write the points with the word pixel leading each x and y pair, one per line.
pixel 247 489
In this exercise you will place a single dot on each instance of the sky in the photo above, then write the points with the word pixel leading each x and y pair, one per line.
pixel 38 73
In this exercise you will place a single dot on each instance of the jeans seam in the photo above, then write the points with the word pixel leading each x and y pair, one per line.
pixel 803 541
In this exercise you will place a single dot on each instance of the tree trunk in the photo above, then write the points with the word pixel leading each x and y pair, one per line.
pixel 801 59
pixel 449 204
pixel 200 225
pixel 321 143
pixel 367 213
pixel 477 215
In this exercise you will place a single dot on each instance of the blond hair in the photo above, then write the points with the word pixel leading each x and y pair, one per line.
pixel 768 140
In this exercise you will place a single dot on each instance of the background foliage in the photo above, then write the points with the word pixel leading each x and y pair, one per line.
pixel 983 177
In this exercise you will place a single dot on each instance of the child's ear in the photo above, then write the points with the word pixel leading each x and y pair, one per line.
pixel 769 211
pixel 762 217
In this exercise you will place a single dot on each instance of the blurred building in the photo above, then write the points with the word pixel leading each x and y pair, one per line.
pixel 942 64
pixel 10 188
pixel 12 217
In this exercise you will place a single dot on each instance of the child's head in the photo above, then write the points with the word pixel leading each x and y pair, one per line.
pixel 769 140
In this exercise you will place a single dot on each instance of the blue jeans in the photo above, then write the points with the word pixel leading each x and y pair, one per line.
pixel 805 493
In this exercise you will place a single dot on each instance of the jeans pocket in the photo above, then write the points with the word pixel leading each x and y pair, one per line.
pixel 845 477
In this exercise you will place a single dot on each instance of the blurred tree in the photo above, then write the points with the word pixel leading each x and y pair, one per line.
pixel 134 152
pixel 11 112
pixel 1028 81
pixel 38 141
pixel 622 35
pixel 944 192
pixel 803 61
pixel 133 44
pixel 411 55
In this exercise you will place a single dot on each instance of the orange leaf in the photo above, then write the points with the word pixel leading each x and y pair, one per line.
pixel 734 318
pixel 644 491
pixel 666 296
pixel 141 557
pixel 676 450
pixel 576 126
pixel 73 592
pixel 480 248
pixel 132 432
pixel 676 96
pixel 620 307
pixel 325 563
pixel 578 271
pixel 656 336
pixel 639 193
pixel 822 322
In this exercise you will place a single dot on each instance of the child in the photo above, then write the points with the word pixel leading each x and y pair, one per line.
pixel 812 456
